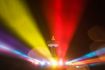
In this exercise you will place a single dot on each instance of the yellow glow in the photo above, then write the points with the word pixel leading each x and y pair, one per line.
pixel 88 61
pixel 54 63
pixel 17 16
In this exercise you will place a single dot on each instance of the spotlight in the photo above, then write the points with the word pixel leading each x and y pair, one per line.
pixel 77 66
pixel 61 62
pixel 68 63
pixel 34 61
pixel 48 63
pixel 54 63
pixel 43 63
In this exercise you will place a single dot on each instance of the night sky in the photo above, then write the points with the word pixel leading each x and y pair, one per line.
pixel 93 15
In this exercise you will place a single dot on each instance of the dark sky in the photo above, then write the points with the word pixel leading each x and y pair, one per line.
pixel 94 15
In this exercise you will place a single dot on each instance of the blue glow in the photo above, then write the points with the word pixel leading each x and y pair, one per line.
pixel 89 55
pixel 19 53
pixel 3 47
pixel 94 64
pixel 7 48
pixel 101 51
pixel 43 63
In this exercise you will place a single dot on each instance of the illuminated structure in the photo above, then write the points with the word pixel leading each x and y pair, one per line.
pixel 53 46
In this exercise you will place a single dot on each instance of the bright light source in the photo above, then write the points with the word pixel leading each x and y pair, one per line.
pixel 61 62
pixel 48 63
pixel 34 62
pixel 77 66
pixel 54 63
pixel 43 63
pixel 68 63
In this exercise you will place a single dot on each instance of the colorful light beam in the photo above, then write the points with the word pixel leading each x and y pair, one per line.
pixel 6 49
pixel 89 55
pixel 18 18
pixel 89 61
pixel 63 17
pixel 13 42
